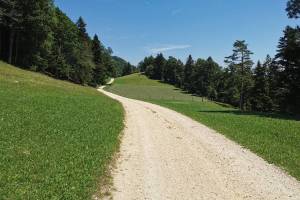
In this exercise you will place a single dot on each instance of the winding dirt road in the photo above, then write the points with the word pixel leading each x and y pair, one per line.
pixel 165 155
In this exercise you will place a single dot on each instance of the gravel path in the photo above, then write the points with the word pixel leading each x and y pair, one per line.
pixel 165 155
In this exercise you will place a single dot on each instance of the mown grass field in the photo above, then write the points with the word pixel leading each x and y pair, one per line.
pixel 274 137
pixel 137 86
pixel 56 138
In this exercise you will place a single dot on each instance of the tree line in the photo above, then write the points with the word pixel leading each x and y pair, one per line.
pixel 269 86
pixel 36 35
pixel 123 67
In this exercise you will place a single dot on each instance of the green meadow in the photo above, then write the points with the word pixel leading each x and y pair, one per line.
pixel 56 138
pixel 274 137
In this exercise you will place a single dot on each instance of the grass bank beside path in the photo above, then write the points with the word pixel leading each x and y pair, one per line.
pixel 56 138
pixel 276 138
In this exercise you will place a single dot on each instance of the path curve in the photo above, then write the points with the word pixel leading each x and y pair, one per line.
pixel 110 81
pixel 166 155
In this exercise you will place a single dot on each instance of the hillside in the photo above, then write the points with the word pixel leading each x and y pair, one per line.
pixel 57 138
pixel 273 137
pixel 138 86
pixel 119 64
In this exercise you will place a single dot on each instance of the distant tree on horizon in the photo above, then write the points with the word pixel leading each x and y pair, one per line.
pixel 260 97
pixel 127 69
pixel 188 72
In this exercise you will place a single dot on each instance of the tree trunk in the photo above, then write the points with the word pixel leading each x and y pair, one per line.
pixel 242 86
pixel 17 48
pixel 242 97
pixel 1 43
pixel 11 46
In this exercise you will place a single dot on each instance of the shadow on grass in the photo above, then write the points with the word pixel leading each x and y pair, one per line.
pixel 224 104
pixel 258 114
pixel 186 92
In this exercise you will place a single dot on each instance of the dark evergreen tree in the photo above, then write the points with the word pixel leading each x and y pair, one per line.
pixel 288 59
pixel 188 72
pixel 159 64
pixel 127 70
pixel 150 71
pixel 10 26
pixel 145 63
pixel 179 73
pixel 36 41
pixel 198 78
pixel 64 48
pixel 82 28
pixel 169 70
pixel 84 69
pixel 293 8
pixel 260 98
pixel 205 78
pixel 37 36
pixel 99 71
pixel 108 62
pixel 276 90
pixel 26 32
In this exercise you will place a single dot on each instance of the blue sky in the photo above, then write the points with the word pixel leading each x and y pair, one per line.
pixel 138 28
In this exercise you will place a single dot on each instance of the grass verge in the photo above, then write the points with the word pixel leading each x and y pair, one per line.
pixel 56 138
pixel 276 138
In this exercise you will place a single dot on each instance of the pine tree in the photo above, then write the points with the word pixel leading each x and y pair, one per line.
pixel 37 35
pixel 99 72
pixel 28 24
pixel 108 62
pixel 10 21
pixel 260 99
pixel 150 71
pixel 127 70
pixel 159 64
pixel 293 8
pixel 178 73
pixel 169 70
pixel 275 83
pixel 65 43
pixel 288 57
pixel 97 50
pixel 83 72
pixel 198 79
pixel 145 63
pixel 241 63
pixel 82 28
pixel 188 72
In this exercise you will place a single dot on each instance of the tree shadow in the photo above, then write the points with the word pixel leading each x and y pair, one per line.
pixel 259 114
pixel 186 92
pixel 225 105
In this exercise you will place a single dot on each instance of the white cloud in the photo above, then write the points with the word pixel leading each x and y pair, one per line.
pixel 169 48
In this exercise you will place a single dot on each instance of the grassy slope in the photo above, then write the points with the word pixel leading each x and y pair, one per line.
pixel 275 138
pixel 56 138
pixel 137 86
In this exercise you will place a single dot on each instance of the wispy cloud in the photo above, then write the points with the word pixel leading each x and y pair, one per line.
pixel 168 48
pixel 176 12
